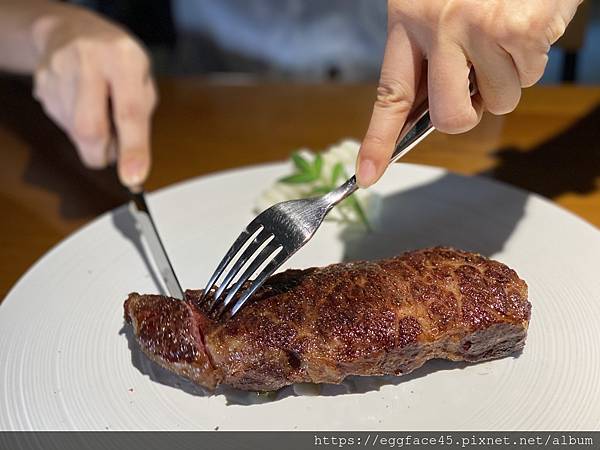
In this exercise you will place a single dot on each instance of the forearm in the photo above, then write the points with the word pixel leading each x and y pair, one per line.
pixel 26 26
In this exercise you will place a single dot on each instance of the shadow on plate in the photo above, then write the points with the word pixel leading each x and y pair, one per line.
pixel 477 216
pixel 351 385
pixel 155 372
pixel 124 221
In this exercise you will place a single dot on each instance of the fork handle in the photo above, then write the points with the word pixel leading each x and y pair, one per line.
pixel 417 128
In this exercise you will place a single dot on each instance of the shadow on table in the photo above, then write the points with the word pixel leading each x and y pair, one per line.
pixel 474 216
pixel 53 163
pixel 567 162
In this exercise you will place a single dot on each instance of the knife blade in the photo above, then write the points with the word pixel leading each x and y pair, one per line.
pixel 154 244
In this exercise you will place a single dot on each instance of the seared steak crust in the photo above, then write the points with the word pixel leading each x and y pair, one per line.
pixel 360 318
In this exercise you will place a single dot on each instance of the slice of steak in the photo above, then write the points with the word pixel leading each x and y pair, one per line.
pixel 320 325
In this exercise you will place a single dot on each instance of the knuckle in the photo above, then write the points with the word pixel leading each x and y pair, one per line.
pixel 87 50
pixel 503 105
pixel 555 29
pixel 394 94
pixel 531 69
pixel 469 11
pixel 513 26
pixel 72 57
pixel 372 141
pixel 482 27
pixel 129 50
pixel 400 11
pixel 454 123
pixel 459 12
pixel 395 10
pixel 528 30
pixel 529 77
pixel 515 29
pixel 131 58
pixel 126 45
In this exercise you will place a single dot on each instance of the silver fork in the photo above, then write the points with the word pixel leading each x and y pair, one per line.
pixel 280 231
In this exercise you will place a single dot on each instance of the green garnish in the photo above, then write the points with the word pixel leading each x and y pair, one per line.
pixel 311 173
pixel 337 172
pixel 306 172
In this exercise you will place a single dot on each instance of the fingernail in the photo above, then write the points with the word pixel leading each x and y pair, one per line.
pixel 366 173
pixel 133 172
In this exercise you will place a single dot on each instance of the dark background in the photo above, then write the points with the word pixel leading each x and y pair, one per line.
pixel 182 38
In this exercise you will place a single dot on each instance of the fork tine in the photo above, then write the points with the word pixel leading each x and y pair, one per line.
pixel 262 237
pixel 266 252
pixel 252 228
pixel 275 264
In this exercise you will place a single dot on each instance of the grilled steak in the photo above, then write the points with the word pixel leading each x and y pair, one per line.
pixel 320 325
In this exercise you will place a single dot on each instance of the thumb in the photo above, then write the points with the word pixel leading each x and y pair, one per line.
pixel 400 75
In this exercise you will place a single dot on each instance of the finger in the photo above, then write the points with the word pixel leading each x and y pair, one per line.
pixel 132 108
pixel 400 74
pixel 45 91
pixel 450 105
pixel 530 67
pixel 89 122
pixel 497 78
pixel 560 20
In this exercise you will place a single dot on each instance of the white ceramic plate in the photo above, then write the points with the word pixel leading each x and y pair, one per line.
pixel 66 361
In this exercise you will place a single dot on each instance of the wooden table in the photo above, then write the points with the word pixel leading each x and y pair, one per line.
pixel 550 145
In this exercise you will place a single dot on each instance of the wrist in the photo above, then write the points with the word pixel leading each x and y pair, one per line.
pixel 56 26
pixel 43 28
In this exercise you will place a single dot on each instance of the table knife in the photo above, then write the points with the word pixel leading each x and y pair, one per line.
pixel 158 254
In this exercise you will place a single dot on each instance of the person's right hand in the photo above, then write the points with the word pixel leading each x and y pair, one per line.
pixel 432 46
pixel 94 80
